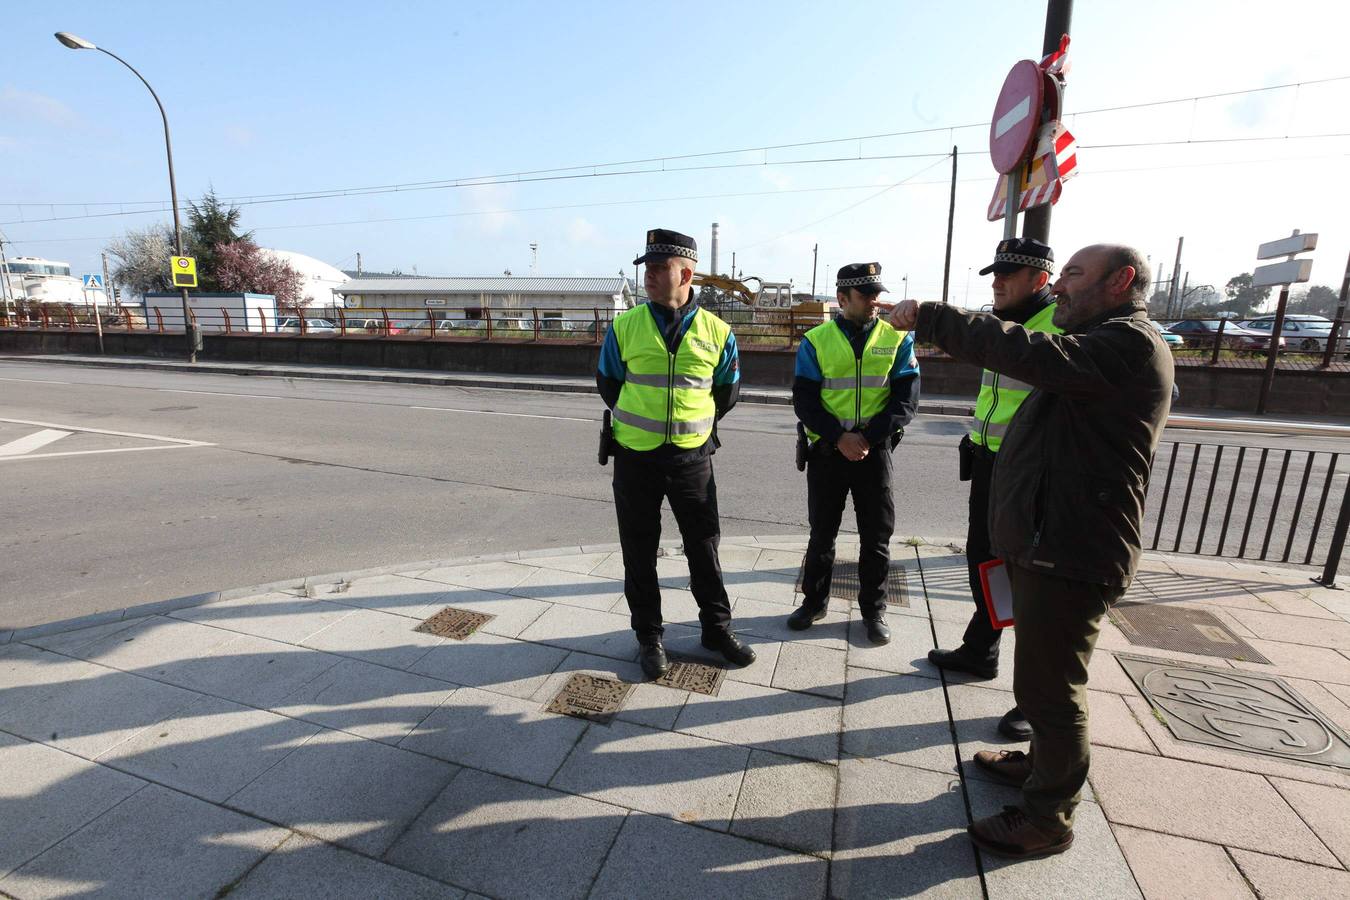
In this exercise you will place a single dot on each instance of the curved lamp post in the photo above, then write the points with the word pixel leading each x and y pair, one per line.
pixel 78 43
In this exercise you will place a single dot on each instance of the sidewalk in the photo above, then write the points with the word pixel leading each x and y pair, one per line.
pixel 307 740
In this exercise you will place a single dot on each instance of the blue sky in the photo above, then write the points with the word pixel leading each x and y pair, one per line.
pixel 285 97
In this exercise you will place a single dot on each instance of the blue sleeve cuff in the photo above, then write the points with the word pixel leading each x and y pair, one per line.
pixel 728 369
pixel 906 361
pixel 807 365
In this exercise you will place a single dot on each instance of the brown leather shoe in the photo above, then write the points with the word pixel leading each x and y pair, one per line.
pixel 1011 834
pixel 1008 766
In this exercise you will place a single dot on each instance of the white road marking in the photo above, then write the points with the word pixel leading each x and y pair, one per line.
pixel 223 394
pixel 488 412
pixel 35 441
pixel 60 431
pixel 108 450
pixel 149 437
pixel 34 380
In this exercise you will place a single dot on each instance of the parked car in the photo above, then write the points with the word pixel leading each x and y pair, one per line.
pixel 1174 341
pixel 312 326
pixel 1203 333
pixel 1306 333
pixel 367 326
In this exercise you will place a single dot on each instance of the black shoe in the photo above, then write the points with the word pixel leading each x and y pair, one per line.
pixel 956 661
pixel 1014 726
pixel 878 632
pixel 653 658
pixel 803 616
pixel 730 646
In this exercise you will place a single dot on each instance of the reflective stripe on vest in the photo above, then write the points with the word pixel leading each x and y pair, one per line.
pixel 666 397
pixel 1001 396
pixel 854 390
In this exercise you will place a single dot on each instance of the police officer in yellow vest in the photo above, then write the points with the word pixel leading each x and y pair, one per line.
pixel 856 386
pixel 669 370
pixel 1021 270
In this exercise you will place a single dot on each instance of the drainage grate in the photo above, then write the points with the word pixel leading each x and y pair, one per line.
pixel 455 623
pixel 590 697
pixel 1182 629
pixel 844 583
pixel 1238 711
pixel 697 678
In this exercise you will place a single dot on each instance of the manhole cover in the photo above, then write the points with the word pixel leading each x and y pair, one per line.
pixel 1238 711
pixel 844 584
pixel 698 678
pixel 590 697
pixel 1182 629
pixel 455 623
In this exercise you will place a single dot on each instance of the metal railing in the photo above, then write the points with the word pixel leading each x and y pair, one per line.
pixel 1250 502
pixel 1228 344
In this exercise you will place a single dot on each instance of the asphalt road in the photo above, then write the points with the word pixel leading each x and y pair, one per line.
pixel 304 477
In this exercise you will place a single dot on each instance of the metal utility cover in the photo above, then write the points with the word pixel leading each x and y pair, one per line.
pixel 1238 711
pixel 844 583
pixel 591 697
pixel 697 678
pixel 454 623
pixel 1182 629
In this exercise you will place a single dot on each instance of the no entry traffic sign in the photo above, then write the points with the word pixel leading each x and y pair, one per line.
pixel 1016 116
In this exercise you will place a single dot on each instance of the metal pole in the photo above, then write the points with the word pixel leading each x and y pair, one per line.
pixel 107 301
pixel 4 282
pixel 188 328
pixel 1328 578
pixel 1058 16
pixel 1176 272
pixel 1338 325
pixel 951 219
pixel 1269 378
pixel 815 254
pixel 1014 181
pixel 1185 283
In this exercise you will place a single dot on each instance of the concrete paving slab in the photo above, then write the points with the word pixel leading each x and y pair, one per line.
pixel 1283 879
pixel 1239 809
pixel 1113 723
pixel 769 620
pixel 687 644
pixel 907 653
pixel 369 701
pixel 1105 673
pixel 1315 632
pixel 946 583
pixel 70 642
pixel 25 669
pixel 677 606
pixel 765 586
pixel 210 749
pixel 811 670
pixel 787 802
pixel 494 663
pixel 789 562
pixel 501 734
pixel 346 790
pixel 278 616
pixel 397 594
pixel 154 647
pixel 577 563
pixel 801 725
pixel 949 638
pixel 47 795
pixel 671 571
pixel 508 839
pixel 510 614
pixel 1299 661
pixel 672 860
pixel 901 719
pixel 1173 868
pixel 158 841
pixel 1093 867
pixel 738 556
pixel 376 637
pixel 1325 809
pixel 1314 606
pixel 570 589
pixel 492 576
pixel 305 867
pixel 252 670
pixel 648 704
pixel 586 630
pixel 900 832
pixel 95 710
pixel 659 772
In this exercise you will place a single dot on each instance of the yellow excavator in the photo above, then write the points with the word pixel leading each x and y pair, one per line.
pixel 766 295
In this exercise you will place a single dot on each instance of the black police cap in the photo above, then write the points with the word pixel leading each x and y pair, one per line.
pixel 1016 253
pixel 865 277
pixel 664 242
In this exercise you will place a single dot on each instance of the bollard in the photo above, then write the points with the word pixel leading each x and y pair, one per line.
pixel 1328 578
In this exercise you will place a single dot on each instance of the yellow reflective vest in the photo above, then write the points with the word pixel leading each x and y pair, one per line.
pixel 1001 396
pixel 854 389
pixel 666 397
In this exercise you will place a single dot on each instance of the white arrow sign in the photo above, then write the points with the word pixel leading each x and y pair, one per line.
pixel 1293 271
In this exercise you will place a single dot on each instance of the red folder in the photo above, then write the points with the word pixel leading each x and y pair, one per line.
pixel 997 592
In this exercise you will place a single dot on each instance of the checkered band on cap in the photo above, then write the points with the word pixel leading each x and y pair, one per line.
pixel 673 250
pixel 859 281
pixel 1022 259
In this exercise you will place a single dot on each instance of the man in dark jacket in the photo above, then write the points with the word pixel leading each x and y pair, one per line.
pixel 1066 509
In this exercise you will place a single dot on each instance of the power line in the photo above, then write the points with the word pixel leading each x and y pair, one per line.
pixel 524 175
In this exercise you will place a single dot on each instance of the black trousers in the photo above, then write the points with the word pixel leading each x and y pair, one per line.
pixel 981 639
pixel 639 487
pixel 830 478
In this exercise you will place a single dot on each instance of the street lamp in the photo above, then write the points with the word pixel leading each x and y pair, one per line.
pixel 78 43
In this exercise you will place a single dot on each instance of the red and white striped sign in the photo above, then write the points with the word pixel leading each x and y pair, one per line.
pixel 1055 160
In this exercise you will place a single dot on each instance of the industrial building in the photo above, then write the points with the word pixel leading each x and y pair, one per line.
pixel 475 297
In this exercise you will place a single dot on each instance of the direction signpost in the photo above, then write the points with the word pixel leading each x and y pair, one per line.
pixel 1291 271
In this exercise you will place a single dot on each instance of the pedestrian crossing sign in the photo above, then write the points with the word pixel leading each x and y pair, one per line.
pixel 93 282
pixel 184 271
